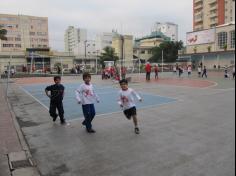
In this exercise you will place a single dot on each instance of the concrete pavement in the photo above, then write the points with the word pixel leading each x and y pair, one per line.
pixel 9 141
pixel 193 137
pixel 15 158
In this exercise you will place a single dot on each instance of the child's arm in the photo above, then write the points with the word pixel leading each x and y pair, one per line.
pixel 120 100
pixel 77 93
pixel 136 95
pixel 47 90
pixel 96 96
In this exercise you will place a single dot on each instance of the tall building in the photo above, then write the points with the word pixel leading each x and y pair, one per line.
pixel 123 45
pixel 74 37
pixel 24 32
pixel 211 13
pixel 168 29
pixel 103 40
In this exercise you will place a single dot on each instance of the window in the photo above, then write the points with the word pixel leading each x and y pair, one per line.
pixel 232 39
pixel 17 39
pixel 222 39
pixel 32 33
pixel 142 51
pixel 8 45
pixel 18 45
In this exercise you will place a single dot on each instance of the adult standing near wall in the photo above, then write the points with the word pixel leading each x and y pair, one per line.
pixel 148 69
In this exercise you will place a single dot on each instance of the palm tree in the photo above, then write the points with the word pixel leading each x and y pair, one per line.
pixel 108 55
pixel 3 33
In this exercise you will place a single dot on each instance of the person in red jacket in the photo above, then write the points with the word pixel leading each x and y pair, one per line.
pixel 148 69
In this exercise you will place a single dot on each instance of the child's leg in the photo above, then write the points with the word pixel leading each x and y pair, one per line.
pixel 52 110
pixel 135 120
pixel 86 113
pixel 61 111
pixel 92 113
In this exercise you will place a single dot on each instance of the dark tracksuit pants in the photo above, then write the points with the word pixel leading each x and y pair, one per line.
pixel 204 74
pixel 148 76
pixel 57 106
pixel 89 114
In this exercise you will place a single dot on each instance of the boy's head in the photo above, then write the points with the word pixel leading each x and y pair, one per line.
pixel 87 78
pixel 124 84
pixel 57 79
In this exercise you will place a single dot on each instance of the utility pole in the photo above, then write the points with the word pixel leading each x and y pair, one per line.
pixel 31 62
pixel 8 73
pixel 162 61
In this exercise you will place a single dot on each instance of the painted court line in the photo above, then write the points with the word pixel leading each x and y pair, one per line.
pixel 28 93
pixel 104 116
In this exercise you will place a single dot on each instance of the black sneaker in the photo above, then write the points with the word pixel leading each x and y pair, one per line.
pixel 83 123
pixel 55 118
pixel 63 122
pixel 91 131
pixel 136 130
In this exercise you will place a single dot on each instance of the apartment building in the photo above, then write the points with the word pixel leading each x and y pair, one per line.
pixel 143 46
pixel 24 32
pixel 123 45
pixel 103 40
pixel 168 29
pixel 211 13
pixel 73 38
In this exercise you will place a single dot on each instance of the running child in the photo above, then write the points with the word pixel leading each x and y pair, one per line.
pixel 127 102
pixel 56 97
pixel 86 96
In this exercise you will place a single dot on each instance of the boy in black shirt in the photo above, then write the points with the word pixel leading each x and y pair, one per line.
pixel 56 97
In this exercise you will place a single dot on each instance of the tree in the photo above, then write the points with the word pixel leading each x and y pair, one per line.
pixel 108 55
pixel 3 33
pixel 170 51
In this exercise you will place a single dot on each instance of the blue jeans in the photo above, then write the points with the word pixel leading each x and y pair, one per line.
pixel 89 114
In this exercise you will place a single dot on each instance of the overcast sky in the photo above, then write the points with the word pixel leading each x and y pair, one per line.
pixel 135 17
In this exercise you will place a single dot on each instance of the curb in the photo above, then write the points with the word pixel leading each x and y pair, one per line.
pixel 25 155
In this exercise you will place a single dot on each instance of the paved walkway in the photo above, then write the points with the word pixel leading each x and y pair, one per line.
pixel 9 141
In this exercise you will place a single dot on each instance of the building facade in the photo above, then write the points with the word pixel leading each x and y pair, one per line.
pixel 24 32
pixel 143 46
pixel 211 13
pixel 74 38
pixel 168 29
pixel 212 47
pixel 123 45
pixel 103 40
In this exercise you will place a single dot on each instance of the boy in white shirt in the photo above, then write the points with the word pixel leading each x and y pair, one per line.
pixel 189 70
pixel 127 102
pixel 86 96
pixel 199 71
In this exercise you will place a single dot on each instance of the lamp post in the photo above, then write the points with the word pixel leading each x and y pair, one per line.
pixel 162 61
pixel 8 73
pixel 97 62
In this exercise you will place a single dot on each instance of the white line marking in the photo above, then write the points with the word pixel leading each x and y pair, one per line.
pixel 117 112
pixel 28 93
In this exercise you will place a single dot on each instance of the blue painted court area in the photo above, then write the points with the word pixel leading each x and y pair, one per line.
pixel 108 97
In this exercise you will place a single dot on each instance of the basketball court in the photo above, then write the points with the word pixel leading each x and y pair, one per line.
pixel 187 128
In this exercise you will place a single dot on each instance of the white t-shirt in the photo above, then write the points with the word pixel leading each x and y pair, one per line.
pixel 126 98
pixel 86 95
pixel 189 69
pixel 199 69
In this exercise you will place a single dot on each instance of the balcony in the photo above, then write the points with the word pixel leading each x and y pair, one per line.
pixel 197 1
pixel 199 6
pixel 213 2
pixel 213 7
pixel 199 19
pixel 213 15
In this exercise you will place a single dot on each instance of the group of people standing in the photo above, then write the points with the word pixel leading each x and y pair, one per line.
pixel 148 69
